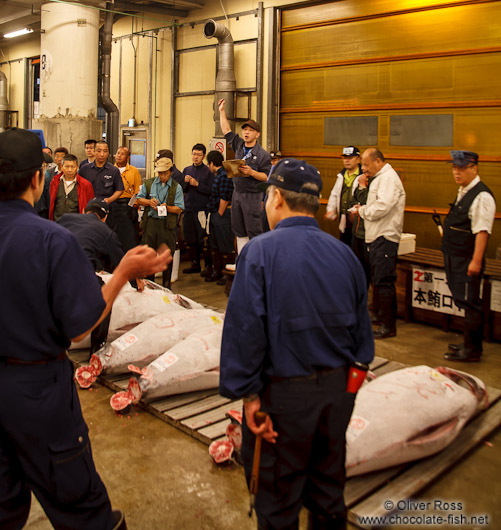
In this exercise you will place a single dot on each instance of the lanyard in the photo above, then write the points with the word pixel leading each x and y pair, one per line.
pixel 248 155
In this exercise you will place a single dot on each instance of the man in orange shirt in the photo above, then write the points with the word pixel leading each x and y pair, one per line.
pixel 127 226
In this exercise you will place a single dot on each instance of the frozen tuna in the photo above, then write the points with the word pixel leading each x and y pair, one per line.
pixel 192 364
pixel 409 414
pixel 133 307
pixel 147 341
pixel 399 417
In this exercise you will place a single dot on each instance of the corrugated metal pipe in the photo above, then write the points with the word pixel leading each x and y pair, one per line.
pixel 226 84
pixel 113 119
pixel 4 102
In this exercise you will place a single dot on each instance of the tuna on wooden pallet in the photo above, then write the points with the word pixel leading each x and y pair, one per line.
pixel 409 414
pixel 132 307
pixel 192 364
pixel 145 342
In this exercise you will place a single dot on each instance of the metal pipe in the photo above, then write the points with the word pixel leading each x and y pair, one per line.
pixel 259 65
pixel 150 109
pixel 120 60
pixel 113 120
pixel 273 84
pixel 155 117
pixel 226 83
pixel 28 91
pixel 174 87
pixel 134 75
pixel 4 102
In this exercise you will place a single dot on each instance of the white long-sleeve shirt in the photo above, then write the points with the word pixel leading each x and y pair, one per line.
pixel 384 212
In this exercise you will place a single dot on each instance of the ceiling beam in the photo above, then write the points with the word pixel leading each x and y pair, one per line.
pixel 191 4
pixel 124 5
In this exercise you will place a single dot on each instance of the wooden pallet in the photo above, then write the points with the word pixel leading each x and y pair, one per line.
pixel 203 415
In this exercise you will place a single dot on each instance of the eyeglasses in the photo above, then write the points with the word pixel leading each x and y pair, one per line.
pixel 462 168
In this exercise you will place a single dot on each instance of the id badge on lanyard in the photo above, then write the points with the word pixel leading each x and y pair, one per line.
pixel 247 156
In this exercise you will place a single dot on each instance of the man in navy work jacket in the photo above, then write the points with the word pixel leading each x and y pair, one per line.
pixel 52 297
pixel 466 231
pixel 293 326
pixel 105 179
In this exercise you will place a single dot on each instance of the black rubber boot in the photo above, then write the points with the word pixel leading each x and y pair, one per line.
pixel 388 327
pixel 195 267
pixel 99 334
pixel 471 350
pixel 195 260
pixel 166 275
pixel 320 522
pixel 119 520
pixel 217 260
pixel 292 526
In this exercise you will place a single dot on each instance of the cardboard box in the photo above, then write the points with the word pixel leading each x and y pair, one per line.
pixel 407 244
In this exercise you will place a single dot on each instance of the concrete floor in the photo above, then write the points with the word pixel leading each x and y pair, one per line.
pixel 163 479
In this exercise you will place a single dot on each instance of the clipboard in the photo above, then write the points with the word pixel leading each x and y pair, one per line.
pixel 231 167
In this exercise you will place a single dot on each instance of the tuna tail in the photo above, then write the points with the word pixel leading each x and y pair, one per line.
pixel 463 379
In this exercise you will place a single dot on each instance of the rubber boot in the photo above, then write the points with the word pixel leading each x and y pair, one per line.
pixel 195 260
pixel 167 273
pixel 388 327
pixel 99 334
pixel 320 522
pixel 471 350
pixel 375 312
pixel 119 520
pixel 265 526
pixel 217 259
pixel 208 270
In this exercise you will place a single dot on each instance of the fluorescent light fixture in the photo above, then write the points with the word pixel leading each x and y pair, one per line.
pixel 18 33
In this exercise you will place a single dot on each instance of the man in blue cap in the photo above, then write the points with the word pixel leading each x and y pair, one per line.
pixel 466 231
pixel 293 326
pixel 51 298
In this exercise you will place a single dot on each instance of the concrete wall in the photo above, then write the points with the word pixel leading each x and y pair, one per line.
pixel 194 115
pixel 12 64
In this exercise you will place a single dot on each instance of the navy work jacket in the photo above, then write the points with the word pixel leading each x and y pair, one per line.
pixel 105 180
pixel 298 304
pixel 97 239
pixel 50 292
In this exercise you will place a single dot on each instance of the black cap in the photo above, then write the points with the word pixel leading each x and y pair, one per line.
pixel 463 158
pixel 98 204
pixel 47 158
pixel 22 148
pixel 292 174
pixel 351 150
pixel 252 124
pixel 164 153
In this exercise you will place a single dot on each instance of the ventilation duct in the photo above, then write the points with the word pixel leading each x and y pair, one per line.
pixel 226 84
pixel 113 119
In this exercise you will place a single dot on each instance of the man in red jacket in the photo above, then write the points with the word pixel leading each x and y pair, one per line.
pixel 69 192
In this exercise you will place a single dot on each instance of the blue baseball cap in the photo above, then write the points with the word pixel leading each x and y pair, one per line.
pixel 463 158
pixel 292 174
